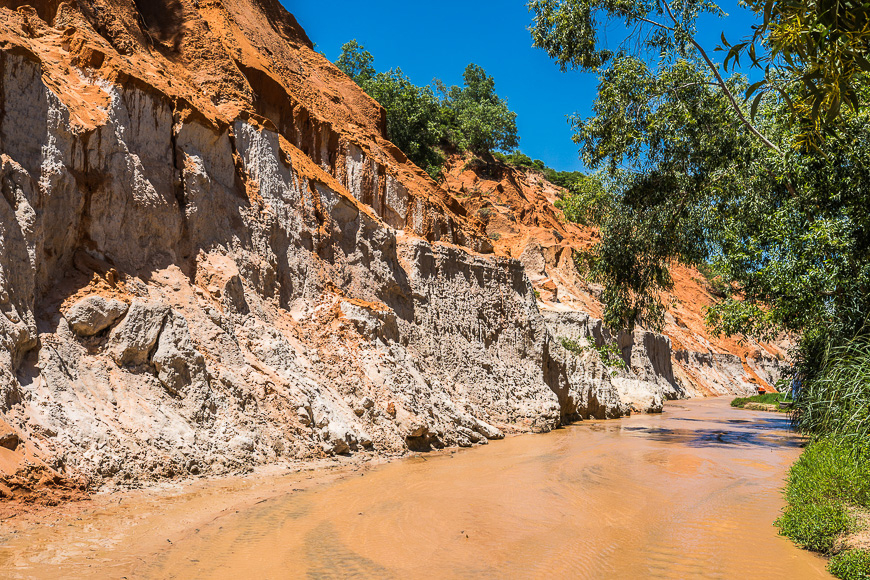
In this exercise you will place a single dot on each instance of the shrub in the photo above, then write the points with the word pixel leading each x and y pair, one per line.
pixel 519 159
pixel 830 469
pixel 830 477
pixel 851 565
pixel 814 526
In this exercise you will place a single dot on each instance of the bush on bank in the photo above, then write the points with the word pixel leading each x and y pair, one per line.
pixel 851 565
pixel 766 399
pixel 830 483
pixel 825 487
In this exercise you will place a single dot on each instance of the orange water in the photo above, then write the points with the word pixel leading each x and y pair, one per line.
pixel 688 494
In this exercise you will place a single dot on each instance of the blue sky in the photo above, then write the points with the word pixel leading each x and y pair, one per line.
pixel 430 40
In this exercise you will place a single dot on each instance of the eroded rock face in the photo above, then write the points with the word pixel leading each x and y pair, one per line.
pixel 643 378
pixel 179 365
pixel 517 207
pixel 134 339
pixel 295 287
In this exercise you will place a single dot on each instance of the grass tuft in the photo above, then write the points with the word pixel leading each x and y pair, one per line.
pixel 768 399
pixel 837 400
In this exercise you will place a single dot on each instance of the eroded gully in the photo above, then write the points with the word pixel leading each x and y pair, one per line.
pixel 691 493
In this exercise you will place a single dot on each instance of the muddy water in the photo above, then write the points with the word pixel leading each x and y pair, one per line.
pixel 688 494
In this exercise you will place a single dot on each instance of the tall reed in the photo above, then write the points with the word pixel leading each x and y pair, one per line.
pixel 836 400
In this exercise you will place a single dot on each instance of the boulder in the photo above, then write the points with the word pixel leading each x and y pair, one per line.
pixel 94 314
pixel 132 341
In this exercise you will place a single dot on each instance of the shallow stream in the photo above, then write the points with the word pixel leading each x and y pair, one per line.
pixel 691 493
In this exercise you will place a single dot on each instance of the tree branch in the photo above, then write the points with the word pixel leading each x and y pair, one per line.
pixel 715 70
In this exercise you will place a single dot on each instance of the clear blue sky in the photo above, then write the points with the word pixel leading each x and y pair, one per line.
pixel 430 40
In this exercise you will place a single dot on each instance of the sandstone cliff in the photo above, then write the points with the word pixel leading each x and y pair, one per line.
pixel 517 209
pixel 211 258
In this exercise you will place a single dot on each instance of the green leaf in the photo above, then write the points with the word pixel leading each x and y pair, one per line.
pixel 853 100
pixel 862 62
pixel 754 108
pixel 834 109
pixel 754 87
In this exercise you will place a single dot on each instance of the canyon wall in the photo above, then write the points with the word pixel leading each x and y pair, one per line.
pixel 211 258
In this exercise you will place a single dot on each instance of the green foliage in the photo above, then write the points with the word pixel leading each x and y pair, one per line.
pixel 814 526
pixel 476 118
pixel 587 200
pixel 717 284
pixel 356 62
pixel 831 476
pixel 413 117
pixel 692 180
pixel 572 345
pixel 813 53
pixel 851 565
pixel 423 121
pixel 835 399
pixel 519 159
pixel 765 399
pixel 564 179
pixel 609 353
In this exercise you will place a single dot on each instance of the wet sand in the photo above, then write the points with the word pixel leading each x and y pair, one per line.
pixel 688 494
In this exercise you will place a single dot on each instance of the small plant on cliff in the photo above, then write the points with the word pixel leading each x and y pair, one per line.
pixel 609 353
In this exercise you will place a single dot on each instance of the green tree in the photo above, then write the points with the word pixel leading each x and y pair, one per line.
pixel 356 62
pixel 695 175
pixel 413 117
pixel 814 54
pixel 477 119
pixel 421 123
